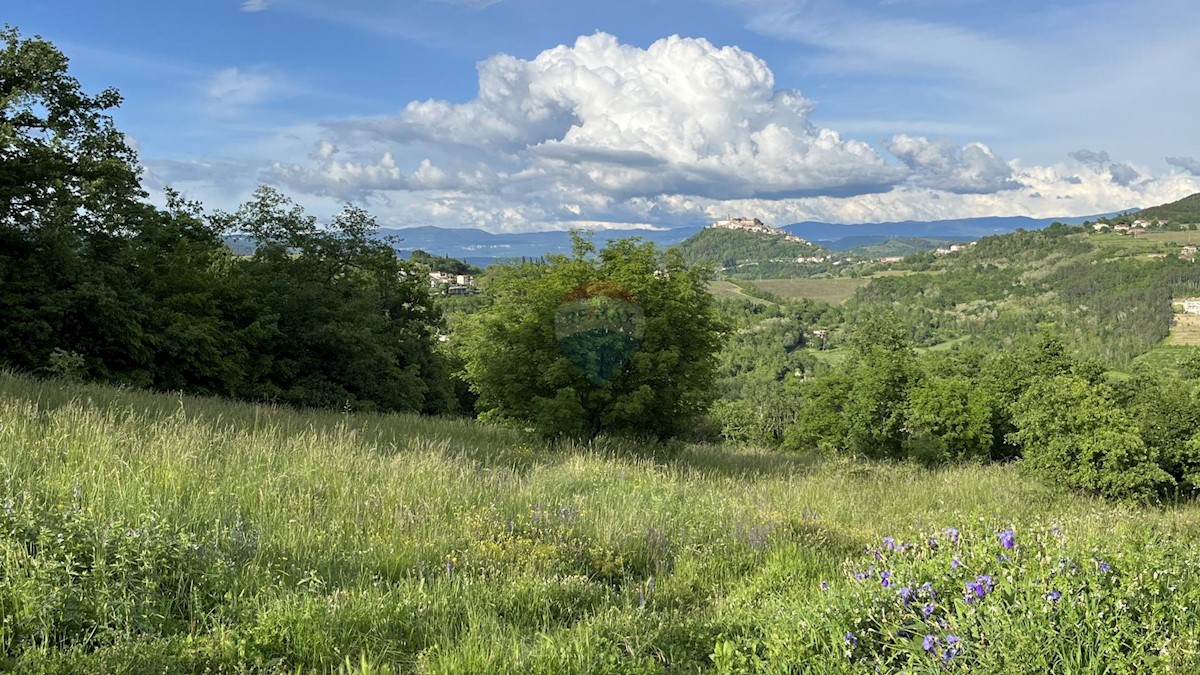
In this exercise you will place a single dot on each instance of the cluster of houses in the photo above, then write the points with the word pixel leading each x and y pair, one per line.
pixel 756 225
pixel 1188 253
pixel 452 284
pixel 1134 228
pixel 953 248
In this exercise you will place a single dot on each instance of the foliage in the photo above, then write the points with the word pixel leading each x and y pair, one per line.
pixel 620 341
pixel 1186 210
pixel 445 264
pixel 1073 434
pixel 97 283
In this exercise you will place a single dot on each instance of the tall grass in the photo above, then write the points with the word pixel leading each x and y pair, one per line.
pixel 148 532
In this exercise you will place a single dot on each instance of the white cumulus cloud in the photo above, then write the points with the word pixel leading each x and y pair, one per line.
pixel 677 133
pixel 943 166
pixel 682 116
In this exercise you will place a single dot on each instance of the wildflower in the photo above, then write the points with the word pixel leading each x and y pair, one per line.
pixel 1056 532
pixel 889 544
pixel 1000 557
pixel 951 650
pixel 860 576
pixel 1104 567
pixel 929 643
pixel 927 610
pixel 933 543
pixel 979 588
pixel 953 534
pixel 1007 538
pixel 885 578
pixel 1053 596
pixel 824 585
pixel 927 588
pixel 905 594
pixel 954 563
pixel 851 639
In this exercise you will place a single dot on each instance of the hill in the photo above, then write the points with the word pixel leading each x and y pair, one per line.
pixel 900 246
pixel 1183 212
pixel 157 533
pixel 727 248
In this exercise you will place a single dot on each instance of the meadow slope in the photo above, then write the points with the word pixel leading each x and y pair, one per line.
pixel 157 533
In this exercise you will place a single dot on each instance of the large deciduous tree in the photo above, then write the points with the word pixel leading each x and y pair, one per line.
pixel 619 341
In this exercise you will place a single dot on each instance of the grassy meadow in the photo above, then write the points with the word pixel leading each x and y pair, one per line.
pixel 727 290
pixel 834 290
pixel 159 533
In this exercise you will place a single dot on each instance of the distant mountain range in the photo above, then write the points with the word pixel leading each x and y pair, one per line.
pixel 832 236
pixel 482 248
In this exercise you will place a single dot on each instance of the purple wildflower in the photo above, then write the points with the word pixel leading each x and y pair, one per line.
pixel 824 585
pixel 1053 596
pixel 1104 567
pixel 905 594
pixel 1007 538
pixel 979 588
pixel 889 544
pixel 954 563
pixel 851 639
pixel 953 534
pixel 860 576
pixel 928 589
pixel 929 643
pixel 885 578
pixel 927 610
pixel 951 650
pixel 933 542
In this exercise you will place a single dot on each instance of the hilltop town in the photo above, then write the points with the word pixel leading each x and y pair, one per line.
pixel 756 225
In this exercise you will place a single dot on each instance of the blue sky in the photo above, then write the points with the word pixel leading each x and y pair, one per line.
pixel 543 114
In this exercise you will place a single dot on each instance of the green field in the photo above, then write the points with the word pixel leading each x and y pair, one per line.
pixel 1147 242
pixel 834 290
pixel 730 291
pixel 158 533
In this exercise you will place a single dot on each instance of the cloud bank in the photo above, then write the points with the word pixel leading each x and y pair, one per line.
pixel 680 132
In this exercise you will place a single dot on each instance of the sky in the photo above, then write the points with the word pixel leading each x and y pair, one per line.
pixel 524 115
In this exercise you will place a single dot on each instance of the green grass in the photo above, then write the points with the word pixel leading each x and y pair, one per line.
pixel 156 533
pixel 729 290
pixel 833 290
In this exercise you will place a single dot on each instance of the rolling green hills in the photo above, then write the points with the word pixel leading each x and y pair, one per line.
pixel 1182 212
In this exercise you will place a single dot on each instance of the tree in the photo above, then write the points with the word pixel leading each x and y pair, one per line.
pixel 1073 434
pixel 69 203
pixel 331 316
pixel 622 341
pixel 882 370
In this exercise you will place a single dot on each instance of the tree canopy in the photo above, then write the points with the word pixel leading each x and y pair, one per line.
pixel 619 341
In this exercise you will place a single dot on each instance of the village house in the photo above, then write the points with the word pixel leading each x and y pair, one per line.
pixel 1189 253
pixel 1191 305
